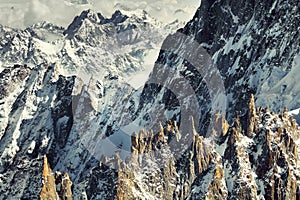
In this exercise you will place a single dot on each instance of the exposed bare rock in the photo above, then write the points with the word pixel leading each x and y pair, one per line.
pixel 251 118
pixel 55 186
pixel 264 164
pixel 210 184
pixel 259 148
pixel 221 125
pixel 63 186
pixel 49 186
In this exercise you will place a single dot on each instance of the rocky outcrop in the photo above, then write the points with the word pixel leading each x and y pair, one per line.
pixel 55 186
pixel 240 167
pixel 49 186
pixel 251 116
pixel 153 171
pixel 232 177
pixel 278 159
pixel 63 185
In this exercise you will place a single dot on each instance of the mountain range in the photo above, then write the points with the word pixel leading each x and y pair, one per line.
pixel 108 108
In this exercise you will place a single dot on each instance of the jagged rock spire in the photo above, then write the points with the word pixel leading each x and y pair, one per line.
pixel 221 125
pixel 49 187
pixel 51 181
pixel 251 116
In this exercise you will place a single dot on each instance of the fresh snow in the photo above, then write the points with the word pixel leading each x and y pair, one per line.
pixel 1 67
pixel 138 80
pixel 296 114
pixel 283 86
pixel 31 147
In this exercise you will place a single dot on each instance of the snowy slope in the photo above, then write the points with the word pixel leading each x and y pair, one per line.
pixel 296 114
pixel 46 68
pixel 284 87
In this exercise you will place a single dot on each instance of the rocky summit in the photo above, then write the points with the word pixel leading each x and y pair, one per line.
pixel 212 120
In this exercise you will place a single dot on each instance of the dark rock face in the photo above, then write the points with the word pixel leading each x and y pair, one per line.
pixel 102 183
pixel 62 116
pixel 250 44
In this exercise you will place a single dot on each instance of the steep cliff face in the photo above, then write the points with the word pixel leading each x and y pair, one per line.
pixel 253 47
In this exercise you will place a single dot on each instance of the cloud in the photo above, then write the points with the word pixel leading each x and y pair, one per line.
pixel 36 11
pixel 62 12
pixel 55 11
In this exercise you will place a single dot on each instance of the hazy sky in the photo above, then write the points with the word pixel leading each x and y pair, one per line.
pixel 23 13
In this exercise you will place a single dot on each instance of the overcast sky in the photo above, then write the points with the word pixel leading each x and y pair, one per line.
pixel 23 13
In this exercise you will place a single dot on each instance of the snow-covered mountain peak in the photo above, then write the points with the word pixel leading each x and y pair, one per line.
pixel 117 17
pixel 89 36
pixel 74 95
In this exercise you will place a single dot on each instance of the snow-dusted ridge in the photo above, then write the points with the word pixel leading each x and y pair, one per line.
pixel 67 104
pixel 44 70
